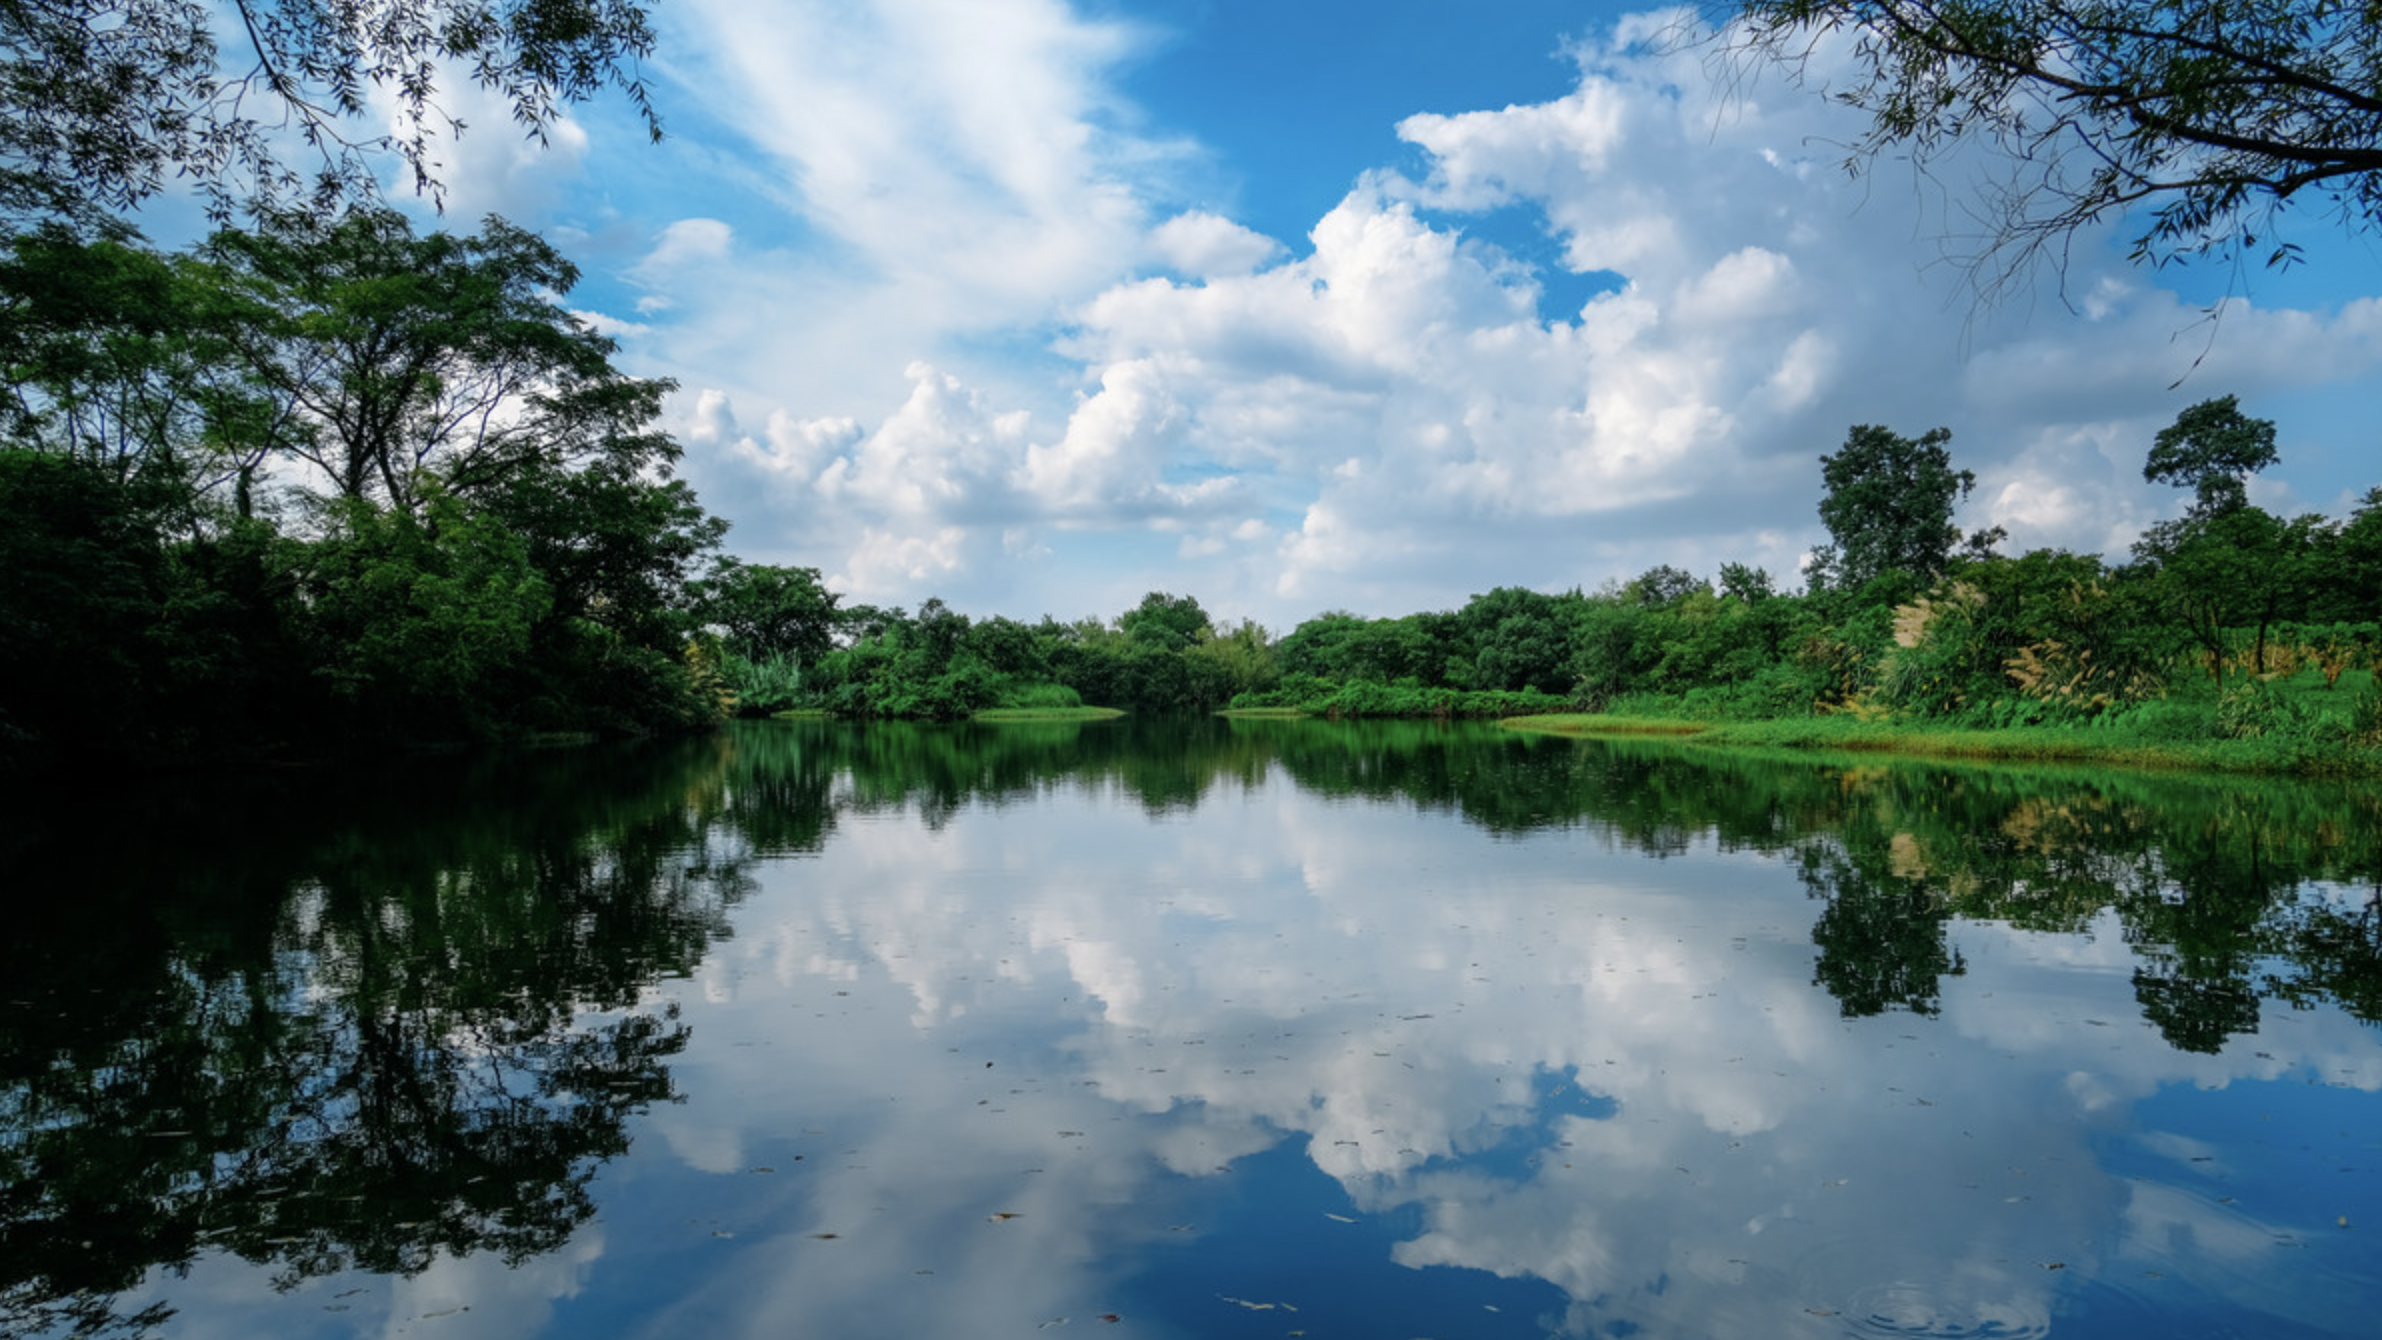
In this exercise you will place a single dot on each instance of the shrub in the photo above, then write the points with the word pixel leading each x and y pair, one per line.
pixel 2250 710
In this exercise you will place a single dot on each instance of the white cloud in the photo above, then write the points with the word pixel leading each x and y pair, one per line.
pixel 967 171
pixel 1205 245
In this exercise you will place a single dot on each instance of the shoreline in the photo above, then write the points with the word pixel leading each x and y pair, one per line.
pixel 2036 744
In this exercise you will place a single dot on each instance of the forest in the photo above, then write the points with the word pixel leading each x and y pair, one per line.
pixel 320 485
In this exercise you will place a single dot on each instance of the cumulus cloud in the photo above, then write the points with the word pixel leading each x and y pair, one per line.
pixel 1010 369
pixel 1205 245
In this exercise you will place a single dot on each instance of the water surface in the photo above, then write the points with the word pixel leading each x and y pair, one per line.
pixel 1192 1029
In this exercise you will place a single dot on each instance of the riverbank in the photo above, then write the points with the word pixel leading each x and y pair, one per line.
pixel 2097 746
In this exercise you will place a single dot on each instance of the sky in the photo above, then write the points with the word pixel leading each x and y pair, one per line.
pixel 1038 306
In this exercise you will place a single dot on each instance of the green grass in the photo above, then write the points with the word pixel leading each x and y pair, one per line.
pixel 1001 714
pixel 2177 735
pixel 803 714
pixel 1279 713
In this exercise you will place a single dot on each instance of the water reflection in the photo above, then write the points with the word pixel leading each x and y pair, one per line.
pixel 407 1027
pixel 1194 1025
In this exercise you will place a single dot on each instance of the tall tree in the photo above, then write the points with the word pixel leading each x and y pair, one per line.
pixel 1889 506
pixel 2212 449
pixel 451 356
pixel 1164 621
pixel 103 102
pixel 2215 115
pixel 765 610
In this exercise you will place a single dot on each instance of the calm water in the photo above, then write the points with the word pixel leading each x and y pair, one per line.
pixel 1191 1029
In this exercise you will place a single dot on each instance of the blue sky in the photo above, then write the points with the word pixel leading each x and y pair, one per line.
pixel 1038 306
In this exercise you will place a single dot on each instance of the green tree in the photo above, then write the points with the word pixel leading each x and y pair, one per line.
pixel 2226 564
pixel 103 104
pixel 2214 114
pixel 1663 585
pixel 123 357
pixel 424 620
pixel 1889 506
pixel 1746 583
pixel 1522 639
pixel 764 611
pixel 2212 449
pixel 1164 622
pixel 2240 568
pixel 2351 575
pixel 440 356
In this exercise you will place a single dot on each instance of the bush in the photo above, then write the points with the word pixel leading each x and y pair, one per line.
pixel 2250 710
pixel 1044 697
pixel 765 686
pixel 2365 716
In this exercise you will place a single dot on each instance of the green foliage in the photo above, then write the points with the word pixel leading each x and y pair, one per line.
pixel 1164 622
pixel 2212 449
pixel 1889 506
pixel 1521 640
pixel 442 356
pixel 2238 568
pixel 2040 638
pixel 102 106
pixel 2365 716
pixel 421 621
pixel 766 686
pixel 2216 114
pixel 503 551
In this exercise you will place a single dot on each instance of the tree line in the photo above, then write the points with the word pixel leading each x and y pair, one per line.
pixel 332 483
pixel 1901 612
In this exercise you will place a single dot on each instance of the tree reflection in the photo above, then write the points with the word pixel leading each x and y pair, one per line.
pixel 2211 880
pixel 1881 939
pixel 389 1039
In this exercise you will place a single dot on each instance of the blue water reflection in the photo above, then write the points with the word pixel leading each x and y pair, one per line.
pixel 1249 1055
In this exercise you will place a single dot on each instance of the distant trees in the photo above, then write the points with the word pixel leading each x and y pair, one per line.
pixel 2225 564
pixel 766 611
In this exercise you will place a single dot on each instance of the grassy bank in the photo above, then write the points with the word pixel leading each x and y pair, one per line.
pixel 2100 747
pixel 1001 714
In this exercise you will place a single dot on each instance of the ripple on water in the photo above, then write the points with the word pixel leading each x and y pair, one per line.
pixel 1913 1311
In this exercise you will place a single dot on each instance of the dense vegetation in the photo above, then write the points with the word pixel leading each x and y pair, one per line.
pixel 328 482
pixel 336 484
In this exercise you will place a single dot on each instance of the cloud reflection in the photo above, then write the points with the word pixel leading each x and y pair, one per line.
pixel 1557 1059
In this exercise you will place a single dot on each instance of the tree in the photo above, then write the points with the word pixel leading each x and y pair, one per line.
pixel 1522 639
pixel 2225 564
pixel 444 356
pixel 2243 567
pixel 765 611
pixel 2212 449
pixel 2214 114
pixel 102 104
pixel 1663 585
pixel 2352 571
pixel 1745 583
pixel 1164 622
pixel 125 358
pixel 1889 506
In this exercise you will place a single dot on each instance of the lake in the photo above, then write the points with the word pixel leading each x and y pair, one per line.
pixel 1191 1028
